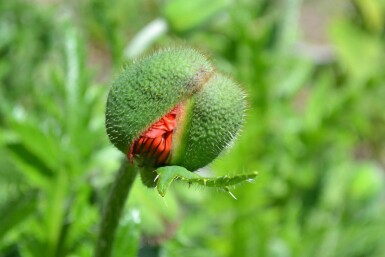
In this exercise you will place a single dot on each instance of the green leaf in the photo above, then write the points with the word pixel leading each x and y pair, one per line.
pixel 167 174
pixel 55 209
pixel 13 212
pixel 185 15
pixel 373 13
pixel 357 50
pixel 31 166
pixel 39 143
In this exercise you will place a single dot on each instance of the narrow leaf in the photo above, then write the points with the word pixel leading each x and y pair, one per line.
pixel 167 174
pixel 15 211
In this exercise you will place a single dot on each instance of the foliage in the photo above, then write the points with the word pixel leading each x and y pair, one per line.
pixel 166 175
pixel 314 130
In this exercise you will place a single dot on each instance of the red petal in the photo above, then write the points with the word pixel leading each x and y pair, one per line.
pixel 154 145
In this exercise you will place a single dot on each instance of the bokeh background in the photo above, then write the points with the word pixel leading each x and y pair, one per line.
pixel 315 129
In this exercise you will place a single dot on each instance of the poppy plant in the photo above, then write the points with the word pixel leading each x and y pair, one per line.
pixel 173 108
pixel 170 113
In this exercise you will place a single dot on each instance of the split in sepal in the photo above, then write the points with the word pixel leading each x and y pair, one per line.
pixel 167 174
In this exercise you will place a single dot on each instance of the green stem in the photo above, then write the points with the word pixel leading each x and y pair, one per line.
pixel 113 208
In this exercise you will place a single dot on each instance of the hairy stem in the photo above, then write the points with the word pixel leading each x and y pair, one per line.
pixel 113 208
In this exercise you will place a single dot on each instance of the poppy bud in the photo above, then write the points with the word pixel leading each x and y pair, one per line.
pixel 173 108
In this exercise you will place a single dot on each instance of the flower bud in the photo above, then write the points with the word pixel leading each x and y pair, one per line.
pixel 172 108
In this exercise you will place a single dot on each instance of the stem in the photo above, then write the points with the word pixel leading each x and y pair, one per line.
pixel 113 208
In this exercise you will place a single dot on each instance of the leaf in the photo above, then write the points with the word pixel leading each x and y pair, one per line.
pixel 185 15
pixel 38 142
pixel 373 13
pixel 13 212
pixel 32 167
pixel 28 157
pixel 167 174
pixel 357 50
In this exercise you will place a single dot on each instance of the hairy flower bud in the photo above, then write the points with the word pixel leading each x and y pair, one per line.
pixel 172 108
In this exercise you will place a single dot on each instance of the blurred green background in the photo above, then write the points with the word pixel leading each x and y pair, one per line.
pixel 315 129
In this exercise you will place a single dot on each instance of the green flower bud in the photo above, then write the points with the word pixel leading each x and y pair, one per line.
pixel 172 108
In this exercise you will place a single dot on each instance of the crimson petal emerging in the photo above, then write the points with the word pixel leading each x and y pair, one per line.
pixel 154 145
